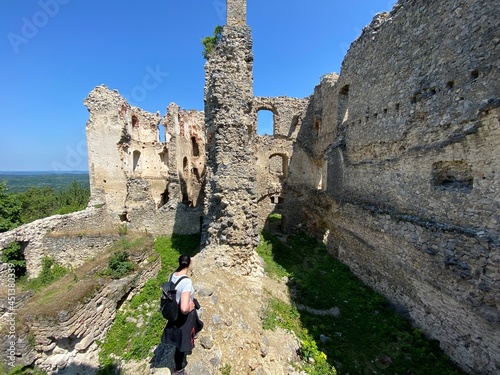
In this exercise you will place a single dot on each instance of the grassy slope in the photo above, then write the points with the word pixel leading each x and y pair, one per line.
pixel 368 337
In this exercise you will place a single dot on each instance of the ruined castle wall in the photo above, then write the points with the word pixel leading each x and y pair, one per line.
pixel 107 110
pixel 186 142
pixel 411 200
pixel 135 176
pixel 287 114
pixel 273 152
pixel 70 239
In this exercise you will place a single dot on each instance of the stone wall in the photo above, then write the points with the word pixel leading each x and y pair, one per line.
pixel 273 152
pixel 396 167
pixel 143 183
pixel 67 337
pixel 70 239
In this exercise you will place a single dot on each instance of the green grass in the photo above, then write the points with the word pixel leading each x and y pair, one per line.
pixel 51 272
pixel 367 337
pixel 124 340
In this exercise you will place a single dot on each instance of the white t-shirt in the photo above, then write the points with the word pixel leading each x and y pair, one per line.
pixel 186 285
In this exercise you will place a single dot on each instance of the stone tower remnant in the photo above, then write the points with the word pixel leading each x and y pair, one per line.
pixel 230 220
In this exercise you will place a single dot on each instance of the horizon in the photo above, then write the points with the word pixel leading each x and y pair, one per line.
pixel 43 172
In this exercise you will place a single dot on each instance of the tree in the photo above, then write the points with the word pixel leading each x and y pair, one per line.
pixel 38 203
pixel 210 42
pixel 72 199
pixel 10 209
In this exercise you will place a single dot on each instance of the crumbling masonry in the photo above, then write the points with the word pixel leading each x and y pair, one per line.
pixel 394 163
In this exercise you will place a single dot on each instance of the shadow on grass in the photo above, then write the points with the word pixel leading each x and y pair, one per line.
pixel 366 336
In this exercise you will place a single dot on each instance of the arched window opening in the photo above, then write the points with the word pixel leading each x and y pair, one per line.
pixel 136 157
pixel 343 106
pixel 265 122
pixel 275 223
pixel 195 147
pixel 135 121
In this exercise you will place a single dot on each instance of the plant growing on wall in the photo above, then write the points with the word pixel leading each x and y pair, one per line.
pixel 125 137
pixel 210 42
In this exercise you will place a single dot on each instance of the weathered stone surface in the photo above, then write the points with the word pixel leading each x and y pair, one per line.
pixel 400 175
pixel 66 339
pixel 231 219
pixel 141 182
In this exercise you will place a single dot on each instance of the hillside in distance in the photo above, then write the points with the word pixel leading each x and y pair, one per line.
pixel 18 182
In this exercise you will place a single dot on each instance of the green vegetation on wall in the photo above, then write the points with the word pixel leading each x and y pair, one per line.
pixel 210 42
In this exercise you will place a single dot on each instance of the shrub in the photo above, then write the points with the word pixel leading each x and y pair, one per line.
pixel 14 254
pixel 119 265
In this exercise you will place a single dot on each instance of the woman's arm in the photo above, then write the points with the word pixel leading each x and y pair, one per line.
pixel 186 304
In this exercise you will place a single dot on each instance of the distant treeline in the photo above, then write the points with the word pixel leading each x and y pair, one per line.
pixel 46 196
pixel 19 182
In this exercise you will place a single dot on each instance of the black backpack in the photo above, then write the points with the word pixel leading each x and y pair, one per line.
pixel 168 303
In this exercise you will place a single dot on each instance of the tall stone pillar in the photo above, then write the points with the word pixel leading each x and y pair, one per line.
pixel 236 12
pixel 230 222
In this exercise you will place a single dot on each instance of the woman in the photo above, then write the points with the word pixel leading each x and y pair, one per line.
pixel 181 332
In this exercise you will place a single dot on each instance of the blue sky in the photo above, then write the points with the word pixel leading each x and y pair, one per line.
pixel 54 52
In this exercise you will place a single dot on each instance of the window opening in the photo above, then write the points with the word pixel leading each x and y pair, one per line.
pixel 161 133
pixel 278 165
pixel 265 122
pixel 195 148
pixel 135 121
pixel 196 174
pixel 343 107
pixel 136 157
pixel 164 157
pixel 185 166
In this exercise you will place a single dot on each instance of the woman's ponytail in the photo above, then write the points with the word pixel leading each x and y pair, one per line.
pixel 184 262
